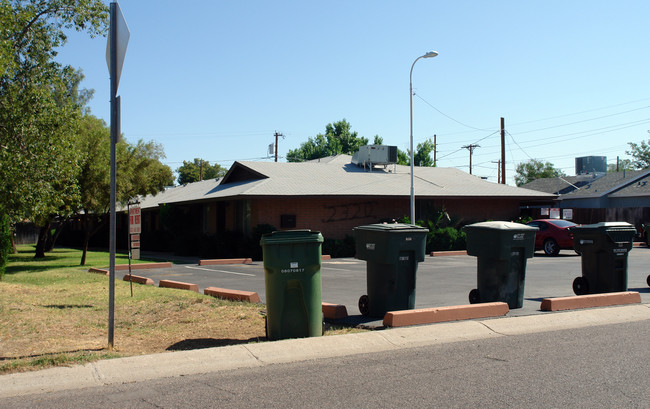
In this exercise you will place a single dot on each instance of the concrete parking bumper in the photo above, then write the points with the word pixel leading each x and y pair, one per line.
pixel 590 301
pixel 445 314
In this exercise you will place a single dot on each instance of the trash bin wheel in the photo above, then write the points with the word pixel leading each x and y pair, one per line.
pixel 551 248
pixel 266 326
pixel 580 286
pixel 474 296
pixel 363 305
pixel 648 280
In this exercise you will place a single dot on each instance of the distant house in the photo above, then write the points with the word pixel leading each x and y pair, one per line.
pixel 560 185
pixel 614 196
pixel 331 195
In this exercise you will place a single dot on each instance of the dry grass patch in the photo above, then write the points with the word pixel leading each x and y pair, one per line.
pixel 53 312
pixel 59 315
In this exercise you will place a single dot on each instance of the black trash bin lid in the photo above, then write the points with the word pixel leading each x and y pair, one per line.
pixel 292 236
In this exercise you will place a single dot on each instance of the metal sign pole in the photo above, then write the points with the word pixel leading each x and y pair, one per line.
pixel 128 237
pixel 118 39
pixel 114 136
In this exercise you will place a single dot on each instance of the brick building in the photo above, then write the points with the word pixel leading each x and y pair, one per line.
pixel 331 195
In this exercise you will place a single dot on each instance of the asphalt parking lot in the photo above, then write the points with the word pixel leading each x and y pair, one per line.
pixel 441 281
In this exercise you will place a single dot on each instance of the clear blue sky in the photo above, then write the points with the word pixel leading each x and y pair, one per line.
pixel 215 79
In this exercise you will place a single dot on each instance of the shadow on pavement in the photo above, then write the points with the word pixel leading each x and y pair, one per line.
pixel 561 255
pixel 645 290
pixel 202 343
pixel 359 321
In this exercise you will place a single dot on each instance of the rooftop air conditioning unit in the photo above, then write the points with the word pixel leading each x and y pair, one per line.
pixel 591 164
pixel 371 155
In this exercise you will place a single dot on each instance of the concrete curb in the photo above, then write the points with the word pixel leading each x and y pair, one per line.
pixel 179 285
pixel 138 279
pixel 449 253
pixel 122 267
pixel 142 266
pixel 182 363
pixel 234 295
pixel 224 261
pixel 590 301
pixel 445 314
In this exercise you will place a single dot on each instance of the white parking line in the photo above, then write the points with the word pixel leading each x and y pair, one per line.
pixel 220 271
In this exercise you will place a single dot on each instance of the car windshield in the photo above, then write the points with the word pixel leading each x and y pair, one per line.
pixel 563 223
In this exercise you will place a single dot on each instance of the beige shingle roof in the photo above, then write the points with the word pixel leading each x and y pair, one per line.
pixel 337 176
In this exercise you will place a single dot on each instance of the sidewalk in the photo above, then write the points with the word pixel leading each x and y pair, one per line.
pixel 172 364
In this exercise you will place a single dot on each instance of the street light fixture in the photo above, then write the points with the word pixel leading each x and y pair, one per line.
pixel 430 54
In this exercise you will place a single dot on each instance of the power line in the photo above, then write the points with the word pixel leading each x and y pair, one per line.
pixel 475 142
pixel 583 121
pixel 548 118
pixel 447 116
pixel 593 132
pixel 581 112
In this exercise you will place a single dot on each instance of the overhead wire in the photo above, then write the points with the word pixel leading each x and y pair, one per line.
pixel 447 116
pixel 580 112
pixel 554 117
pixel 583 121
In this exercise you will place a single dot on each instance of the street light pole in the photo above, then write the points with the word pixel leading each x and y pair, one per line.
pixel 430 54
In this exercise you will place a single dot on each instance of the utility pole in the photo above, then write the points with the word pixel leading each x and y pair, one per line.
pixel 503 151
pixel 201 171
pixel 276 144
pixel 498 170
pixel 435 151
pixel 471 148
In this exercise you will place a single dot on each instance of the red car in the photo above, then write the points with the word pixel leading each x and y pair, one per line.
pixel 553 235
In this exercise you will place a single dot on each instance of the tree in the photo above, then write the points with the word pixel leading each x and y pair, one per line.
pixel 40 105
pixel 67 93
pixel 421 157
pixel 139 173
pixel 338 139
pixel 94 177
pixel 191 171
pixel 623 164
pixel 526 172
pixel 640 154
pixel 5 242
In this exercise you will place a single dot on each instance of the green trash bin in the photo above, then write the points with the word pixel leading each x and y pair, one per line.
pixel 604 248
pixel 646 232
pixel 292 276
pixel 502 249
pixel 392 253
